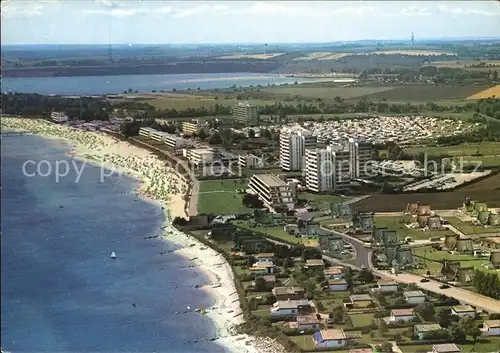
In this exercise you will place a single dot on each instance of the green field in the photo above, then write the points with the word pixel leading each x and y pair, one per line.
pixel 395 223
pixel 466 149
pixel 320 201
pixel 433 256
pixel 221 196
pixel 482 345
pixel 324 91
pixel 469 228
pixel 196 101
pixel 280 233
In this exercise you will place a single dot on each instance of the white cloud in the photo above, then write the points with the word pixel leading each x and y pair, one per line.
pixel 470 11
pixel 18 9
pixel 198 10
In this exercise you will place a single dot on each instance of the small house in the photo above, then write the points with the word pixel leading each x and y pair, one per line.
pixel 360 300
pixel 401 315
pixel 307 322
pixel 463 310
pixel 315 264
pixel 335 272
pixel 414 297
pixel 289 293
pixel 445 348
pixel 386 286
pixel 290 308
pixel 421 330
pixel 264 257
pixel 262 268
pixel 491 328
pixel 332 338
pixel 337 285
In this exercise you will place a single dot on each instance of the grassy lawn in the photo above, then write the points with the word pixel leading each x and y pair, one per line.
pixel 221 196
pixel 433 256
pixel 305 342
pixel 318 200
pixel 261 312
pixel 483 344
pixel 395 223
pixel 280 233
pixel 416 348
pixel 360 320
pixel 465 149
pixel 469 228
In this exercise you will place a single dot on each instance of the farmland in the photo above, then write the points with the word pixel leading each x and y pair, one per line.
pixel 487 190
pixel 221 196
pixel 325 92
pixel 332 56
pixel 424 93
pixel 251 56
pixel 487 93
pixel 466 149
pixel 186 101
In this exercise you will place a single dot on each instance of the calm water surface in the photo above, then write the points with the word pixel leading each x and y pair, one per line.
pixel 61 292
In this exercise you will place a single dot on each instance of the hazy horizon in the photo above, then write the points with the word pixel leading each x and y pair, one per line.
pixel 61 22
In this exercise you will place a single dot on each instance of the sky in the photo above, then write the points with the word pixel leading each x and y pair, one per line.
pixel 179 22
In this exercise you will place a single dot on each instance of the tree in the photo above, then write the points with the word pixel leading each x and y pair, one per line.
pixel 426 311
pixel 365 275
pixel 260 284
pixel 474 332
pixel 310 287
pixel 251 133
pixel 456 333
pixel 202 135
pixel 444 317
pixel 215 139
pixel 382 327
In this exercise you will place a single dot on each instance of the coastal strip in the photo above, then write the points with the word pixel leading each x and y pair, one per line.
pixel 163 185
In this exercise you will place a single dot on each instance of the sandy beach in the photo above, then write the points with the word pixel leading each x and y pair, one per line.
pixel 161 184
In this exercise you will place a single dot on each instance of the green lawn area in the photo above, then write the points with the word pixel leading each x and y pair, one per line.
pixel 416 348
pixel 261 312
pixel 360 320
pixel 484 345
pixel 465 149
pixel 436 255
pixel 318 200
pixel 221 196
pixel 396 223
pixel 469 228
pixel 279 232
pixel 305 342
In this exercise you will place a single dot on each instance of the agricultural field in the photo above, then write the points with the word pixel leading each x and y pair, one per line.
pixel 195 101
pixel 487 190
pixel 465 149
pixel 396 223
pixel 487 93
pixel 327 93
pixel 426 93
pixel 221 196
pixel 323 56
pixel 251 56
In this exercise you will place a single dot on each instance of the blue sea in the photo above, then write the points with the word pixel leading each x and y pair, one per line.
pixel 61 292
pixel 99 85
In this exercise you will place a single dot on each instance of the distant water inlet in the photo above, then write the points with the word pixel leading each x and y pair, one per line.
pixel 99 85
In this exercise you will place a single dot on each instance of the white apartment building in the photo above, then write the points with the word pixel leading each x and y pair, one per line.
pixel 272 190
pixel 360 154
pixel 59 117
pixel 327 169
pixel 245 113
pixel 293 146
pixel 170 140
pixel 193 127
pixel 199 156
pixel 250 161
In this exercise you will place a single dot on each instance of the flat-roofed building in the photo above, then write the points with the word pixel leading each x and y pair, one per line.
pixel 59 117
pixel 398 315
pixel 491 328
pixel 327 169
pixel 463 310
pixel 272 190
pixel 146 131
pixel 293 146
pixel 245 113
pixel 170 140
pixel 422 330
pixel 331 338
pixel 200 156
pixel 386 286
pixel 414 297
pixel 250 161
pixel 192 127
pixel 445 348
pixel 360 153
pixel 307 322
pixel 289 293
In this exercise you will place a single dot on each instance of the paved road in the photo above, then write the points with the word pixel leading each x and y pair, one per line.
pixel 364 255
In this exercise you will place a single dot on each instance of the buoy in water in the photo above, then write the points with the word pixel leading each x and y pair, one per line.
pixel 113 255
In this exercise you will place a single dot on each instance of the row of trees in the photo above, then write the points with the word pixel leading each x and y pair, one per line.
pixel 487 283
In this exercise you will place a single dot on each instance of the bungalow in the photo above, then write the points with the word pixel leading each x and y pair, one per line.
pixel 337 285
pixel 386 286
pixel 264 257
pixel 491 328
pixel 307 322
pixel 360 300
pixel 335 272
pixel 445 348
pixel 269 280
pixel 289 293
pixel 290 308
pixel 332 338
pixel 463 310
pixel 262 268
pixel 421 330
pixel 315 264
pixel 401 315
pixel 414 297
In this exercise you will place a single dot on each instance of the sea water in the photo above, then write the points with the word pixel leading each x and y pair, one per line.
pixel 61 292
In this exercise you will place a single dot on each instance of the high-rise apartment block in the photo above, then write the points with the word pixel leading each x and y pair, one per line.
pixel 327 169
pixel 245 113
pixel 293 146
pixel 360 155
pixel 272 190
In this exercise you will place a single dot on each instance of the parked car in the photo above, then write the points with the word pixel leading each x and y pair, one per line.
pixel 423 280
pixel 444 286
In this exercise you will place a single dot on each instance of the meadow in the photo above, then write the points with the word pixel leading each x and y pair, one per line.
pixel 427 93
pixel 487 93
pixel 222 196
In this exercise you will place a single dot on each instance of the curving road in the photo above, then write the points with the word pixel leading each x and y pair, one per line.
pixel 364 257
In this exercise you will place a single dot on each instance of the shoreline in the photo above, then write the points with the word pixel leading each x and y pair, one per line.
pixel 156 186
